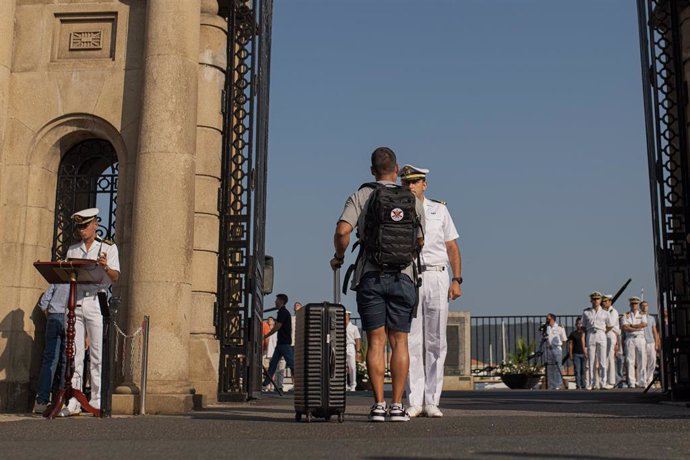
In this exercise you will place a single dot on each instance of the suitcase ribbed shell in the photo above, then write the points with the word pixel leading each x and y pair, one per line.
pixel 320 363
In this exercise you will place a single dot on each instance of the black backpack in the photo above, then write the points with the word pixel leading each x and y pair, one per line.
pixel 391 227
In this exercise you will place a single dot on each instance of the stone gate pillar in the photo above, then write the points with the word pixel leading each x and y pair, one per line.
pixel 203 345
pixel 6 31
pixel 163 207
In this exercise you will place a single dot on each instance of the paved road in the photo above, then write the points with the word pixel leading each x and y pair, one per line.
pixel 483 424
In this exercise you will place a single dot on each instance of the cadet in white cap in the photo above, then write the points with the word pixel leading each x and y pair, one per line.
pixel 634 323
pixel 353 349
pixel 89 321
pixel 597 322
pixel 612 341
pixel 652 344
pixel 555 338
pixel 427 339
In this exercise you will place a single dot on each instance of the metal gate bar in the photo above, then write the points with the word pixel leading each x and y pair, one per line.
pixel 242 200
pixel 665 103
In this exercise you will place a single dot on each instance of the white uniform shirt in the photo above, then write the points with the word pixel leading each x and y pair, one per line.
pixel 633 319
pixel 555 336
pixel 272 342
pixel 596 319
pixel 439 230
pixel 616 323
pixel 78 251
pixel 352 333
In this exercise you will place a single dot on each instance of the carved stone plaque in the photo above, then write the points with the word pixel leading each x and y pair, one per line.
pixel 86 40
pixel 84 36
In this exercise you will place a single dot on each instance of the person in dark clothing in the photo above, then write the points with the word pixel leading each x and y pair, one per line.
pixel 578 352
pixel 283 327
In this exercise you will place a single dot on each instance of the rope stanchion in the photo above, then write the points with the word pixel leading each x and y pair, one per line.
pixel 127 352
pixel 127 358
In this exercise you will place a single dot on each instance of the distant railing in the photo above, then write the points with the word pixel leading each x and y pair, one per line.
pixel 493 338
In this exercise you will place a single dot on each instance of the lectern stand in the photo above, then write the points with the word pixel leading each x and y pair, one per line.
pixel 73 272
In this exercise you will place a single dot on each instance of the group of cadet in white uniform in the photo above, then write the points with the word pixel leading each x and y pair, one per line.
pixel 620 349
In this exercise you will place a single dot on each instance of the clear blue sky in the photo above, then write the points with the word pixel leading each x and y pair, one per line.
pixel 527 112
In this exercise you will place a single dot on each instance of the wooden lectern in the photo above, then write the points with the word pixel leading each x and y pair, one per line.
pixel 73 272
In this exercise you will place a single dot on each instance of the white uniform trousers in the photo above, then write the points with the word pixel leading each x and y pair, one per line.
pixel 90 321
pixel 351 367
pixel 635 357
pixel 596 358
pixel 427 341
pixel 554 355
pixel 650 361
pixel 611 338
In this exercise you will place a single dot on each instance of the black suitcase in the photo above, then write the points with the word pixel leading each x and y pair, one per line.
pixel 320 362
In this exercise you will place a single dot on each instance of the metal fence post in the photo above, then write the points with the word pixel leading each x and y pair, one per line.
pixel 144 366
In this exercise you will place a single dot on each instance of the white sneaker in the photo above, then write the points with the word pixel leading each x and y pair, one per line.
pixel 67 412
pixel 607 387
pixel 71 409
pixel 588 387
pixel 415 411
pixel 432 411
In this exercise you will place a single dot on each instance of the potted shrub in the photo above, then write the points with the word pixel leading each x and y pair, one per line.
pixel 363 382
pixel 518 372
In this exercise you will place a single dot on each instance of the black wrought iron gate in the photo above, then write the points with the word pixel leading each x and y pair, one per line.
pixel 242 199
pixel 666 105
pixel 87 178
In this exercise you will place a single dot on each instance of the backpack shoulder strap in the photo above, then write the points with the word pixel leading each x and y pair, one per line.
pixel 373 185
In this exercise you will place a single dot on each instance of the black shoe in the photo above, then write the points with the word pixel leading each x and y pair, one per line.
pixel 378 413
pixel 398 413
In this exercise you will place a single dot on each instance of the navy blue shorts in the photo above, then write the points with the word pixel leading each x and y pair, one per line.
pixel 386 299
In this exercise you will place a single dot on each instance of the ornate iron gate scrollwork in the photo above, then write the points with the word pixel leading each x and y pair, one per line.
pixel 242 200
pixel 666 103
pixel 87 178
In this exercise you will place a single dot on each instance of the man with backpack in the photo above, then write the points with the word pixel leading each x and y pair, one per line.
pixel 427 339
pixel 390 228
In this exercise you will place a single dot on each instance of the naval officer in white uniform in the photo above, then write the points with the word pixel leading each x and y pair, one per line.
pixel 612 340
pixel 634 323
pixel 597 322
pixel 89 321
pixel 427 339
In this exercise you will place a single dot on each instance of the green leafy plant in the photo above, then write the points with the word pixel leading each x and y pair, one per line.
pixel 518 362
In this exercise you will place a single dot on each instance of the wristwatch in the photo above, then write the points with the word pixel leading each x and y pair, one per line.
pixel 458 279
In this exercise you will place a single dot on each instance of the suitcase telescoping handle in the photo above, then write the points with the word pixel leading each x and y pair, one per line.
pixel 336 285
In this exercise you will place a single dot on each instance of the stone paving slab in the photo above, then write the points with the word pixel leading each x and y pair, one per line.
pixel 481 424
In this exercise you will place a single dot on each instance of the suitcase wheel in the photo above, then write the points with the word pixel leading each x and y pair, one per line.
pixel 341 417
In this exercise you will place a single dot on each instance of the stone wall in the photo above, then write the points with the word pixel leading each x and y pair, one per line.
pixel 457 369
pixel 75 73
